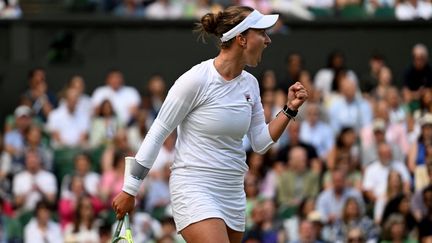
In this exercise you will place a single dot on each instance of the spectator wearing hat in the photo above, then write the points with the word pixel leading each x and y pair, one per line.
pixel 14 140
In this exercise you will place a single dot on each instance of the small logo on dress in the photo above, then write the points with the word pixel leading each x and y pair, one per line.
pixel 248 97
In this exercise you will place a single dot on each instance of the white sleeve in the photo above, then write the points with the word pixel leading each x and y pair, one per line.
pixel 368 183
pixel 183 96
pixel 258 133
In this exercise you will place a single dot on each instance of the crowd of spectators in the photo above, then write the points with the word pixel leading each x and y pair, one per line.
pixel 355 165
pixel 193 9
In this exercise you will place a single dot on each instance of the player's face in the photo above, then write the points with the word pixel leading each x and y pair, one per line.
pixel 257 40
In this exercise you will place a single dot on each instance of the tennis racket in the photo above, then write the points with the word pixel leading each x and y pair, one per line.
pixel 127 237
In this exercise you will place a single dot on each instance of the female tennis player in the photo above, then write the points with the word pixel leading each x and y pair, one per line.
pixel 213 105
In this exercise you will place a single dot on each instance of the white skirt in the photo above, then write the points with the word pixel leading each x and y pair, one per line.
pixel 201 194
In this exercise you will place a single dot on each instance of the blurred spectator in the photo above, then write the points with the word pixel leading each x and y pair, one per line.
pixel 395 187
pixel 112 180
pixel 315 131
pixel 344 164
pixel 382 130
pixel 413 9
pixel 154 95
pixel 130 8
pixel 418 74
pixel 14 140
pixel 267 81
pixel 157 197
pixel 41 228
pixel 385 81
pixel 350 110
pixel 104 125
pixel 424 105
pixel 297 182
pixel 33 184
pixel 120 143
pixel 10 229
pixel 83 228
pixel 83 169
pixel 77 82
pixel 138 130
pixel 356 235
pixel 269 184
pixel 164 9
pixel 425 229
pixel 292 9
pixel 418 151
pixel 376 63
pixel 252 197
pixel 5 171
pixel 331 201
pixel 42 100
pixel 291 225
pixel 401 205
pixel 373 6
pixel 34 142
pixel 67 125
pixel 325 77
pixel 125 99
pixel 293 68
pixel 375 175
pixel 352 216
pixel 265 228
pixel 307 233
pixel 195 9
pixel 320 4
pixel 344 146
pixel 145 228
pixel 397 112
pixel 394 230
pixel 263 6
pixel 10 9
pixel 419 201
pixel 70 201
pixel 293 131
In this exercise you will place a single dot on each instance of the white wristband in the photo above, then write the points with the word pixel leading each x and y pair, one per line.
pixel 131 185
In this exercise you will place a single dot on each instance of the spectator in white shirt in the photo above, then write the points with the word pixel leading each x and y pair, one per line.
pixel 67 124
pixel 375 178
pixel 351 110
pixel 33 184
pixel 125 99
pixel 413 9
pixel 41 229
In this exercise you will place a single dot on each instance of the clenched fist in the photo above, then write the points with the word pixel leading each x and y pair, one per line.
pixel 297 95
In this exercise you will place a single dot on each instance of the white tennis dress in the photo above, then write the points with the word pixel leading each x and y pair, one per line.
pixel 212 116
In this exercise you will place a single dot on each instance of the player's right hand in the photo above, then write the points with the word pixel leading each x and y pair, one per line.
pixel 123 203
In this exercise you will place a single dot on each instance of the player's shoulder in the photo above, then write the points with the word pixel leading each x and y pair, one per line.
pixel 197 75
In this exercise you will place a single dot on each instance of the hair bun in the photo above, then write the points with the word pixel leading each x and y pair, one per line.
pixel 209 22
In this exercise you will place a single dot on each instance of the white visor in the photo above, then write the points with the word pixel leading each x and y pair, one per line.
pixel 255 20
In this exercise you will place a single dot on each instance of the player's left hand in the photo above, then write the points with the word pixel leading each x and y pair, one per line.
pixel 297 95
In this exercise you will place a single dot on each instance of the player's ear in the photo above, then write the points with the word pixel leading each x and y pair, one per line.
pixel 241 40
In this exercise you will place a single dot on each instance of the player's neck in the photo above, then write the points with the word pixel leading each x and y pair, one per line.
pixel 228 65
